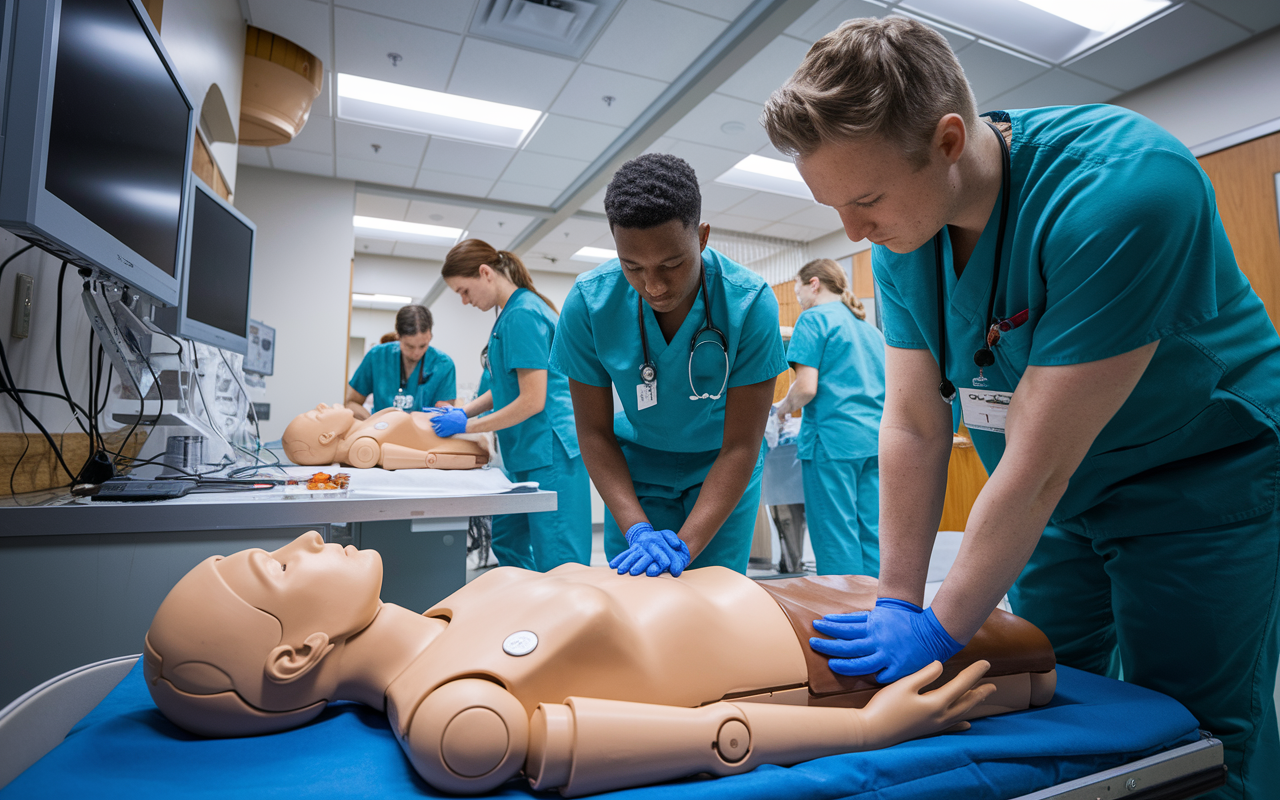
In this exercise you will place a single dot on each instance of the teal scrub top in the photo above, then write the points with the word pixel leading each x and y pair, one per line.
pixel 1114 241
pixel 522 339
pixel 379 375
pixel 849 356
pixel 598 344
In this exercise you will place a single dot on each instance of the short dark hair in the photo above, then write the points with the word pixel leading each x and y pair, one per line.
pixel 652 189
pixel 413 320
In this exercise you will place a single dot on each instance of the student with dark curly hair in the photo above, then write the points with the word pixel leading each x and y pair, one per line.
pixel 690 340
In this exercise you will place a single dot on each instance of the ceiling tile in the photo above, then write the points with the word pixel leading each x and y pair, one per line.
pixel 429 252
pixel 992 70
pixel 464 158
pixel 380 145
pixel 1181 37
pixel 1256 15
pixel 498 223
pixel 429 213
pixel 1053 88
pixel 728 10
pixel 315 137
pixel 572 138
pixel 704 124
pixel 303 22
pixel 766 71
pixel 769 151
pixel 375 205
pixel 596 202
pixel 498 241
pixel 299 161
pixel 729 222
pixel 449 15
pixel 717 197
pixel 662 145
pixel 708 162
pixel 826 15
pixel 653 39
pixel 376 172
pixel 252 156
pixel 362 42
pixel 448 183
pixel 523 193
pixel 322 106
pixel 769 206
pixel 503 74
pixel 536 169
pixel 606 241
pixel 573 234
pixel 583 96
pixel 817 216
pixel 786 230
pixel 380 247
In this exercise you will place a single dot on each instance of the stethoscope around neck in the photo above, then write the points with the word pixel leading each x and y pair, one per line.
pixel 649 371
pixel 983 357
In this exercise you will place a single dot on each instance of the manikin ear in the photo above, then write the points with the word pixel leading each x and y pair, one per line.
pixel 328 436
pixel 286 664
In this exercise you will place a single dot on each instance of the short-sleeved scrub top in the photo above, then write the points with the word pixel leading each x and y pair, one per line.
pixel 849 355
pixel 522 339
pixel 431 381
pixel 674 442
pixel 1114 241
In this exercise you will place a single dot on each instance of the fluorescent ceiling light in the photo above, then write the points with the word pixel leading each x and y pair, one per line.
pixel 401 231
pixel 393 105
pixel 1104 16
pixel 767 175
pixel 595 255
pixel 399 299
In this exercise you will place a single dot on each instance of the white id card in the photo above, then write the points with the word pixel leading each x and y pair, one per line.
pixel 646 395
pixel 985 410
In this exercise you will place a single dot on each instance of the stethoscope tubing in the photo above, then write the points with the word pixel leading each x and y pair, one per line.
pixel 649 370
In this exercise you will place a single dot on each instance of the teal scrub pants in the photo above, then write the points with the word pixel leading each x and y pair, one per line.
pixel 1190 614
pixel 842 510
pixel 668 508
pixel 547 539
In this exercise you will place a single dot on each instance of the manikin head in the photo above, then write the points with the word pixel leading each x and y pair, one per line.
pixel 245 644
pixel 877 118
pixel 312 438
pixel 654 206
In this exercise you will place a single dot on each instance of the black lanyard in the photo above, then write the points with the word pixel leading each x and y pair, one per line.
pixel 983 357
pixel 421 379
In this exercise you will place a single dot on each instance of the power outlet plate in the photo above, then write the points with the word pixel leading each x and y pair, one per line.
pixel 23 295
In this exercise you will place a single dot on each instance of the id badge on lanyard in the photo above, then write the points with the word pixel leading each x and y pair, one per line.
pixel 403 401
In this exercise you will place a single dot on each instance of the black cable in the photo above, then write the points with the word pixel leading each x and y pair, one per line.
pixel 62 373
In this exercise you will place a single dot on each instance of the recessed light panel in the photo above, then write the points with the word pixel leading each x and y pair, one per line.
pixel 393 105
pixel 594 255
pixel 767 175
pixel 401 231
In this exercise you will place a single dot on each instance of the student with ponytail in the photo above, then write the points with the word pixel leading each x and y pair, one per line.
pixel 839 362
pixel 532 412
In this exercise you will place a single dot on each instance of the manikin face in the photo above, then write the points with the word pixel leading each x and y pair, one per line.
pixel 480 291
pixel 412 348
pixel 662 263
pixel 309 586
pixel 879 193
pixel 807 293
pixel 312 438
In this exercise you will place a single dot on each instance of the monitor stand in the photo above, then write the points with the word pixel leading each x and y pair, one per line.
pixel 125 338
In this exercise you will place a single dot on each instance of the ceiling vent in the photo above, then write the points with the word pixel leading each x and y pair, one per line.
pixel 560 27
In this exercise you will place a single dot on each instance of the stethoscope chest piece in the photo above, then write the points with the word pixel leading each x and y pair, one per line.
pixel 648 373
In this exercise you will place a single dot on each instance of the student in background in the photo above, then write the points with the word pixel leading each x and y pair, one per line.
pixel 408 374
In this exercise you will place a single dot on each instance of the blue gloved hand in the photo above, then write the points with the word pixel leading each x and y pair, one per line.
pixel 652 552
pixel 448 421
pixel 893 640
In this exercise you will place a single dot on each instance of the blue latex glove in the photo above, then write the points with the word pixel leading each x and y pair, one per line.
pixel 893 640
pixel 448 421
pixel 652 552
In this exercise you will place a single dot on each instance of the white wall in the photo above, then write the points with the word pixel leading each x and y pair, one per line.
pixel 301 284
pixel 1223 94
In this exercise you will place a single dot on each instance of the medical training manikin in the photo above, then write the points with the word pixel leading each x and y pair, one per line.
pixel 391 439
pixel 583 679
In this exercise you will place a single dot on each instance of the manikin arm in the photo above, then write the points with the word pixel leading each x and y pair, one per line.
pixel 587 745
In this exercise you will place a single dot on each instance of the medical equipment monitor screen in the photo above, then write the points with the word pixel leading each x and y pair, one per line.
pixel 98 134
pixel 261 357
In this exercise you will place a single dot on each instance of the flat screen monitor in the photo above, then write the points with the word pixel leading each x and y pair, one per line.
pixel 98 134
pixel 213 300
pixel 261 357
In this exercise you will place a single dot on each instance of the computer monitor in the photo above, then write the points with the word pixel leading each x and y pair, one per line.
pixel 261 357
pixel 98 133
pixel 213 301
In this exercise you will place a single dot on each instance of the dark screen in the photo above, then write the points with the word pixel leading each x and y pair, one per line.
pixel 218 269
pixel 118 133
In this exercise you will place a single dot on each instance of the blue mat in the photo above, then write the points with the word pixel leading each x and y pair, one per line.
pixel 124 748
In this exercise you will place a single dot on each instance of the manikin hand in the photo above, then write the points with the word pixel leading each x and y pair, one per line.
pixel 448 421
pixel 900 712
pixel 892 640
pixel 652 552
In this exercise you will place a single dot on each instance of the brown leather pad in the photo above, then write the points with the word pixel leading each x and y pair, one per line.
pixel 1011 644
